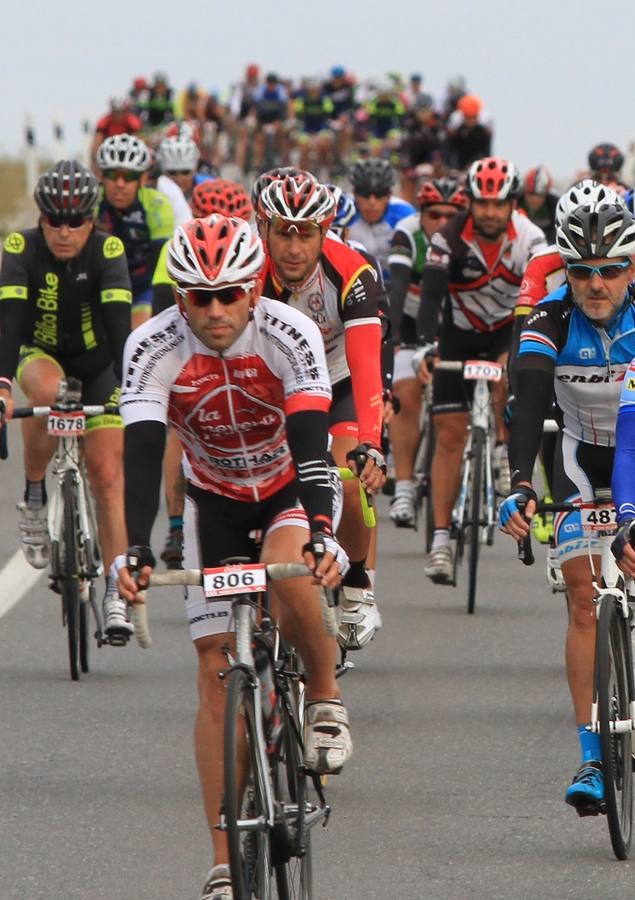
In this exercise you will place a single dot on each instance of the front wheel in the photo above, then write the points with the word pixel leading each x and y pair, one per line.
pixel 246 778
pixel 69 583
pixel 614 693
pixel 474 520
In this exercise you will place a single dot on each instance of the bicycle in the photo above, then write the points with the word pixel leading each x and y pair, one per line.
pixel 268 812
pixel 75 555
pixel 613 707
pixel 474 513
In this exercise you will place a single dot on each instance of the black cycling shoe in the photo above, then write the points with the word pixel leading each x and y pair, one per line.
pixel 172 554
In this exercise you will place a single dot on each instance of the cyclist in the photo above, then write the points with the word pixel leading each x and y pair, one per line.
pixel 157 109
pixel 385 113
pixel 538 201
pixel 438 200
pixel 119 120
pixel 337 288
pixel 178 158
pixel 243 380
pixel 65 310
pixel 241 107
pixel 578 341
pixel 340 88
pixel 468 137
pixel 476 261
pixel 141 217
pixel 272 110
pixel 314 111
pixel 605 163
pixel 378 213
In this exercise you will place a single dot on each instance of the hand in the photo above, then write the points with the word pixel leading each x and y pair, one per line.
pixel 327 560
pixel 6 405
pixel 511 519
pixel 373 472
pixel 420 359
pixel 132 572
pixel 392 405
pixel 622 548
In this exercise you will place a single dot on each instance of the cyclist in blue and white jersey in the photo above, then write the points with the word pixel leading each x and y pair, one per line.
pixel 578 341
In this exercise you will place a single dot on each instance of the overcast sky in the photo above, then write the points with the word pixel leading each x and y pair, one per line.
pixel 555 75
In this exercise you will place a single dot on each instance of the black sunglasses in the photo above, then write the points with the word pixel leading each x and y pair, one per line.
pixel 226 296
pixel 57 222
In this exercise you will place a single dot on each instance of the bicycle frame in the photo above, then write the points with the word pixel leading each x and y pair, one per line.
pixel 480 416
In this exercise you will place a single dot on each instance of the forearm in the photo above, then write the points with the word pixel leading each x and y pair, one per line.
pixel 623 468
pixel 144 443
pixel 117 324
pixel 363 355
pixel 534 391
pixel 434 287
pixel 399 283
pixel 307 433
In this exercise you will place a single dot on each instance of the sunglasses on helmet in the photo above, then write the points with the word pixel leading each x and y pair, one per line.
pixel 73 221
pixel 226 296
pixel 125 174
pixel 608 271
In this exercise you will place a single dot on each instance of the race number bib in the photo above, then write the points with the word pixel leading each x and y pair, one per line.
pixel 63 424
pixel 598 518
pixel 234 579
pixel 479 368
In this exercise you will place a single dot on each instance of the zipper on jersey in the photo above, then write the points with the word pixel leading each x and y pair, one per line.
pixel 234 421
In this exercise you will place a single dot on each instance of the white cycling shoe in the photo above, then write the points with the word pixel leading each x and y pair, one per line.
pixel 402 508
pixel 327 736
pixel 34 533
pixel 439 565
pixel 359 618
pixel 218 885
pixel 117 626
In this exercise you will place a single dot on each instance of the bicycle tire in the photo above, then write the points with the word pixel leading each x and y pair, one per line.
pixel 474 521
pixel 614 692
pixel 84 636
pixel 69 584
pixel 291 840
pixel 249 852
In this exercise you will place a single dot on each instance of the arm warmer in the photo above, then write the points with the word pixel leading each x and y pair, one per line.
pixel 363 355
pixel 399 283
pixel 434 287
pixel 512 359
pixel 624 465
pixel 307 433
pixel 162 298
pixel 534 392
pixel 117 324
pixel 12 316
pixel 142 457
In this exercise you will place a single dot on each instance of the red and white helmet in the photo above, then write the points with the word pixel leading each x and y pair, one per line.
pixel 493 178
pixel 298 199
pixel 538 181
pixel 213 253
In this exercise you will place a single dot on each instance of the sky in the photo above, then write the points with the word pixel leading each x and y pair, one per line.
pixel 556 75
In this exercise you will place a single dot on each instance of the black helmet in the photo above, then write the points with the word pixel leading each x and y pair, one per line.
pixel 596 230
pixel 67 189
pixel 605 157
pixel 372 176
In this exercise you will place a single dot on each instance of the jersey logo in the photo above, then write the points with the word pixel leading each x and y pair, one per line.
pixel 587 352
pixel 113 247
pixel 14 242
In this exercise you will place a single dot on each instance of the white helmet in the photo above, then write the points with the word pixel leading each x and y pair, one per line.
pixel 214 253
pixel 298 198
pixel 595 231
pixel 585 191
pixel 123 151
pixel 178 154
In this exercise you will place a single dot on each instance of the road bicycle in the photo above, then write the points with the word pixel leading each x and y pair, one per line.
pixel 613 707
pixel 76 562
pixel 270 809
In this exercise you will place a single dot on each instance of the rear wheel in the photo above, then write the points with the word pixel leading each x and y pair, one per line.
pixel 474 520
pixel 69 583
pixel 614 693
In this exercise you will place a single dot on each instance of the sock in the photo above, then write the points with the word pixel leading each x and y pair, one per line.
pixel 404 487
pixel 176 522
pixel 356 575
pixel 35 494
pixel 440 538
pixel 371 577
pixel 589 744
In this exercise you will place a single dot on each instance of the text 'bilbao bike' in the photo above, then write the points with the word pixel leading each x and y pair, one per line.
pixel 75 556
pixel 272 803
pixel 613 708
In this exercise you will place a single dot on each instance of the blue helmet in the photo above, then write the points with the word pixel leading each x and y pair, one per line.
pixel 344 209
pixel 338 72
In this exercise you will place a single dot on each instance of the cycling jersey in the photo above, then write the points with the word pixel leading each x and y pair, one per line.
pixel 180 206
pixel 545 273
pixel 270 103
pixel 341 298
pixel 111 125
pixel 313 112
pixel 77 310
pixel 482 296
pixel 342 95
pixel 384 115
pixel 143 228
pixel 408 248
pixel 229 408
pixel 376 237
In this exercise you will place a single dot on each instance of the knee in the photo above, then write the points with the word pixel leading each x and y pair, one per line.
pixel 450 438
pixel 581 607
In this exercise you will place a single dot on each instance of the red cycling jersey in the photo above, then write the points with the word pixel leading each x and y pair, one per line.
pixel 544 273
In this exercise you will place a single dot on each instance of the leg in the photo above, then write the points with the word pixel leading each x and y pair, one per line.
pixel 103 450
pixel 404 438
pixel 451 434
pixel 580 640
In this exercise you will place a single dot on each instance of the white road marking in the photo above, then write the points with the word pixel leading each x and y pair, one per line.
pixel 16 579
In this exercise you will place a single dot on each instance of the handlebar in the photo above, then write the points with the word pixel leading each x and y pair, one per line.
pixel 525 549
pixel 367 501
pixel 26 412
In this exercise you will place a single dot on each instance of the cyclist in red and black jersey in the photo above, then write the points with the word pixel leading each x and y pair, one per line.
pixel 474 267
pixel 337 288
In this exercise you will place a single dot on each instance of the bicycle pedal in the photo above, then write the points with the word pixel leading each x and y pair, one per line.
pixel 118 639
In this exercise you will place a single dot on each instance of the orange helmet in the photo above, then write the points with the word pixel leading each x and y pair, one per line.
pixel 219 195
pixel 470 105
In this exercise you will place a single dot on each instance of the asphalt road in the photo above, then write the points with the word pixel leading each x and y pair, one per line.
pixel 464 745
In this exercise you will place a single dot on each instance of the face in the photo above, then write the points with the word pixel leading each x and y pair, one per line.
pixel 434 217
pixel 64 242
pixel 599 297
pixel 219 325
pixel 295 253
pixel 373 208
pixel 120 192
pixel 185 181
pixel 534 201
pixel 491 217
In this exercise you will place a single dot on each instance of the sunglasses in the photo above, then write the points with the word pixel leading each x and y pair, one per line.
pixel 434 214
pixel 72 222
pixel 608 271
pixel 116 174
pixel 173 172
pixel 285 227
pixel 380 195
pixel 226 296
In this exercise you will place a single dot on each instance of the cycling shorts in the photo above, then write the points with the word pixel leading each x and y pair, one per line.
pixel 402 369
pixel 579 470
pixel 342 416
pixel 451 393
pixel 216 527
pixel 98 389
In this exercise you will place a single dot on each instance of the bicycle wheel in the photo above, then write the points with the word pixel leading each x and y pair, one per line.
pixel 245 794
pixel 474 520
pixel 291 839
pixel 84 625
pixel 614 692
pixel 69 584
